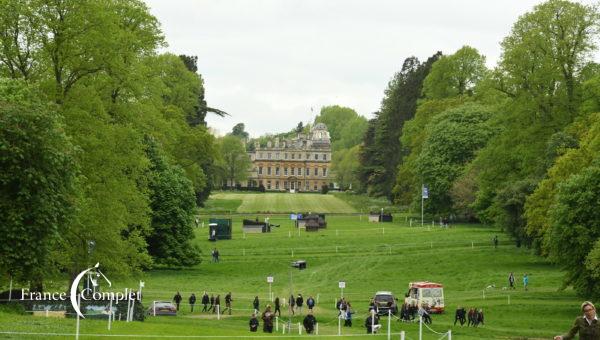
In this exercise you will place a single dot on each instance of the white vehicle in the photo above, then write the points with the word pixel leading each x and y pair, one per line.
pixel 429 295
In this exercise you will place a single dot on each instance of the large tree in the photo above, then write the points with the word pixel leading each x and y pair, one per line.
pixel 233 160
pixel 36 182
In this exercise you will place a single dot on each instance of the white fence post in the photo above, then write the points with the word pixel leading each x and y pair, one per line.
pixel 449 334
pixel 218 312
pixel 276 324
pixel 402 335
pixel 77 326
pixel 389 332
pixel 299 329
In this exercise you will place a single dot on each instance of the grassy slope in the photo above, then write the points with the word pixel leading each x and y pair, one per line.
pixel 364 261
pixel 281 203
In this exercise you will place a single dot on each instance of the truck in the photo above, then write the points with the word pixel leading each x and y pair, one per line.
pixel 429 295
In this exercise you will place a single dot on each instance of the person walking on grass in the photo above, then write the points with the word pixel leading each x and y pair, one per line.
pixel 228 300
pixel 205 302
pixel 299 303
pixel 349 312
pixel 177 299
pixel 586 325
pixel 277 307
pixel 192 301
pixel 212 304
pixel 217 307
pixel 309 322
pixel 292 303
pixel 525 281
pixel 310 303
pixel 255 304
pixel 511 281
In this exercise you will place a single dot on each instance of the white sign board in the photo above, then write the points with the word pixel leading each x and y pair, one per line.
pixel 269 279
pixel 342 284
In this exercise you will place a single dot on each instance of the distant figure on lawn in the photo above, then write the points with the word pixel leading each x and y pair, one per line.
pixel 192 301
pixel 217 307
pixel 277 306
pixel 255 304
pixel 205 302
pixel 424 315
pixel 215 255
pixel 309 323
pixel 511 280
pixel 177 299
pixel 460 315
pixel 495 241
pixel 310 303
pixel 586 325
pixel 228 300
pixel 292 302
pixel 253 323
pixel 525 280
pixel 299 303
pixel 212 304
pixel 372 322
pixel 349 312
pixel 267 318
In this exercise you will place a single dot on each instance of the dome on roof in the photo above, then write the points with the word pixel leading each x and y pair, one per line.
pixel 320 126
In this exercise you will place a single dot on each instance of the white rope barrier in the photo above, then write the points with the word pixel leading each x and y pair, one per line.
pixel 141 336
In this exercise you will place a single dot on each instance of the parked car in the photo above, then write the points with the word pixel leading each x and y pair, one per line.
pixel 384 302
pixel 162 308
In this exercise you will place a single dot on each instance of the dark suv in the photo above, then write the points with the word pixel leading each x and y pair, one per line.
pixel 384 302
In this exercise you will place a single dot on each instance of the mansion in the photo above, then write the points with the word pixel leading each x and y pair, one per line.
pixel 298 164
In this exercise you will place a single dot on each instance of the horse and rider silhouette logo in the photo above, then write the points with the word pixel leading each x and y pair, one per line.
pixel 75 285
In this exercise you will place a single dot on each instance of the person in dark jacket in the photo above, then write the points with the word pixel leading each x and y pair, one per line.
pixel 309 322
pixel 205 302
pixel 192 301
pixel 255 304
pixel 253 323
pixel 212 304
pixel 177 299
pixel 217 307
pixel 299 303
pixel 310 303
pixel 267 318
pixel 586 325
pixel 349 312
pixel 277 307
pixel 372 323
pixel 292 303
pixel 459 315
pixel 228 300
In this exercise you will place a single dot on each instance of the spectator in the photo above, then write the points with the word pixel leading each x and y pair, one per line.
pixel 309 322
pixel 253 323
pixel 372 322
pixel 511 280
pixel 310 303
pixel 205 302
pixel 459 315
pixel 495 240
pixel 299 303
pixel 277 306
pixel 177 299
pixel 586 325
pixel 192 301
pixel 255 304
pixel 525 280
pixel 267 318
pixel 215 255
pixel 349 312
pixel 424 315
pixel 471 317
pixel 228 300
pixel 292 302
pixel 480 317
pixel 212 303
pixel 217 307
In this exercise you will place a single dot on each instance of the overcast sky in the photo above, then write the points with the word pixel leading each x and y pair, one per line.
pixel 268 62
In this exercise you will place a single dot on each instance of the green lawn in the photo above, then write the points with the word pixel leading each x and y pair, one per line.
pixel 368 257
pixel 277 203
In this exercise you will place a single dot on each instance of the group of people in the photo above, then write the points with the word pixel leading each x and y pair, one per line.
pixel 268 315
pixel 345 311
pixel 511 281
pixel 473 318
pixel 209 304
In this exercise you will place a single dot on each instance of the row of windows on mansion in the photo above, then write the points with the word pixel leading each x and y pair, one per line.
pixel 290 155
pixel 292 171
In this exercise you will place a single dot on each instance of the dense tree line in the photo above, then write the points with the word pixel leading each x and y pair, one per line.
pixel 516 146
pixel 103 146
